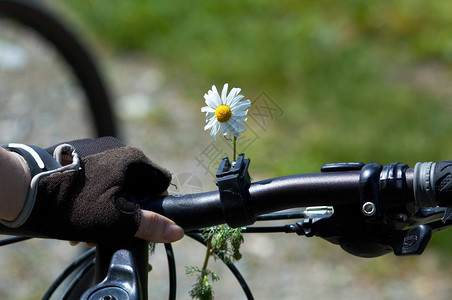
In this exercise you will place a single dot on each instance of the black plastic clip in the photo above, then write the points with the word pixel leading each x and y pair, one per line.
pixel 344 166
pixel 233 182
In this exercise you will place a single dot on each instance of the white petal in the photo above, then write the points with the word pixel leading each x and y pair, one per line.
pixel 247 102
pixel 210 123
pixel 210 119
pixel 241 106
pixel 210 101
pixel 224 128
pixel 215 96
pixel 214 89
pixel 237 126
pixel 210 115
pixel 236 99
pixel 215 129
pixel 207 109
pixel 232 129
pixel 224 93
pixel 231 96
pixel 239 113
pixel 239 118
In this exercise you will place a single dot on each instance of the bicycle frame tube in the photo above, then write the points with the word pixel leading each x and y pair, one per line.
pixel 140 252
pixel 120 272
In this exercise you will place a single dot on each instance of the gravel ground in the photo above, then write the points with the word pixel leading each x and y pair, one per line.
pixel 40 106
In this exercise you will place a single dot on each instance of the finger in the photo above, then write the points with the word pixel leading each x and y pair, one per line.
pixel 75 243
pixel 157 228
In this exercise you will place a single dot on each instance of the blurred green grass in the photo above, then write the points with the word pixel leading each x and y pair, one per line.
pixel 356 80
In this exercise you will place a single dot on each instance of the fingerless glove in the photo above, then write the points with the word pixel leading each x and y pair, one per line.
pixel 95 200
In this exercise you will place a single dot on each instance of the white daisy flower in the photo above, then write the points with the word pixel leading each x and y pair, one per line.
pixel 225 112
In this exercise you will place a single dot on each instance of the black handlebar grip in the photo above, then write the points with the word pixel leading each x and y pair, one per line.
pixel 442 182
pixel 432 184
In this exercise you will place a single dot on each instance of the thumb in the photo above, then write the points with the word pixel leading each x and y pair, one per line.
pixel 158 229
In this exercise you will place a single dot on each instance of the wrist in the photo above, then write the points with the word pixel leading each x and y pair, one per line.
pixel 15 180
pixel 38 164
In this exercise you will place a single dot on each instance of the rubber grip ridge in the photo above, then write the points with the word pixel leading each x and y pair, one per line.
pixel 442 179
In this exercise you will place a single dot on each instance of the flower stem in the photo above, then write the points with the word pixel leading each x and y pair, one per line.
pixel 208 253
pixel 235 148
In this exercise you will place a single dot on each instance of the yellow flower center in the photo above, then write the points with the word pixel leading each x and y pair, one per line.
pixel 223 113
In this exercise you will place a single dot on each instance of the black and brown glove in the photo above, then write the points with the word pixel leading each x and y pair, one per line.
pixel 88 191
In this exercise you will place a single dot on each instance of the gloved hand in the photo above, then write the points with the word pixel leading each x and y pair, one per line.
pixel 94 199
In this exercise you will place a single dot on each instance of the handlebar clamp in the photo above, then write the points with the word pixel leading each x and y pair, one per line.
pixel 233 181
pixel 369 180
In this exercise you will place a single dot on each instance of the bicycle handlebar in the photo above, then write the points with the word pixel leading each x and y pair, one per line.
pixel 427 185
pixel 374 204
pixel 195 211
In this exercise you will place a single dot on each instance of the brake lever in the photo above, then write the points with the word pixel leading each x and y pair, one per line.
pixel 427 214
pixel 444 222
pixel 447 217
pixel 364 240
pixel 440 220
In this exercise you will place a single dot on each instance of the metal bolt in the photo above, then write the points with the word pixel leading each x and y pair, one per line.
pixel 369 209
pixel 402 217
